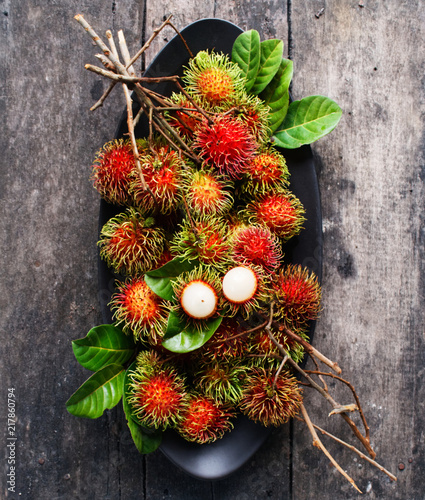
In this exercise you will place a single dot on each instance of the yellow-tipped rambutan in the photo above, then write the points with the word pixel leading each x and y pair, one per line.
pixel 213 79
pixel 266 171
pixel 138 310
pixel 157 392
pixel 256 245
pixel 162 170
pixel 297 296
pixel 205 238
pixel 207 192
pixel 268 399
pixel 225 144
pixel 130 244
pixel 228 342
pixel 186 119
pixel 111 171
pixel 280 211
pixel 204 420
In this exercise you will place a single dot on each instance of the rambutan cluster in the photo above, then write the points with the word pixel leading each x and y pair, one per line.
pixel 200 246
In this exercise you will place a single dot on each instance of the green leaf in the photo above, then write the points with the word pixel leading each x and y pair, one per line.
pixel 175 325
pixel 276 94
pixel 102 346
pixel 191 338
pixel 246 53
pixel 159 280
pixel 101 391
pixel 146 440
pixel 306 121
pixel 271 55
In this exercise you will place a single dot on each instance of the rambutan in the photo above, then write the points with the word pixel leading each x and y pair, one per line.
pixel 265 351
pixel 162 170
pixel 226 343
pixel 138 310
pixel 204 420
pixel 130 244
pixel 205 238
pixel 268 399
pixel 280 211
pixel 266 171
pixel 197 295
pixel 185 120
pixel 256 245
pixel 213 78
pixel 221 381
pixel 225 144
pixel 157 392
pixel 297 296
pixel 207 193
pixel 111 171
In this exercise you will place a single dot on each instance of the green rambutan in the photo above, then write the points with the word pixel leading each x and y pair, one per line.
pixel 207 193
pixel 256 245
pixel 162 170
pixel 130 244
pixel 266 171
pixel 157 392
pixel 205 238
pixel 270 404
pixel 265 351
pixel 204 420
pixel 280 211
pixel 111 171
pixel 138 310
pixel 225 144
pixel 297 295
pixel 221 381
pixel 213 79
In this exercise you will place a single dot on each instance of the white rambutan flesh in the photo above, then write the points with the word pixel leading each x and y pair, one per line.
pixel 239 284
pixel 198 300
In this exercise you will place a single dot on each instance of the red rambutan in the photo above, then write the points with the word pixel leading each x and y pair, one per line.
pixel 297 296
pixel 225 144
pixel 280 211
pixel 269 403
pixel 138 310
pixel 207 193
pixel 130 244
pixel 266 171
pixel 256 245
pixel 157 393
pixel 111 171
pixel 162 170
pixel 226 343
pixel 204 421
pixel 266 352
pixel 185 120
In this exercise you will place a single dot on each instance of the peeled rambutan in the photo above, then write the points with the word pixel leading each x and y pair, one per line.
pixel 280 211
pixel 297 295
pixel 256 245
pixel 162 170
pixel 221 381
pixel 157 392
pixel 205 238
pixel 111 171
pixel 225 144
pixel 267 404
pixel 138 310
pixel 266 171
pixel 213 78
pixel 204 420
pixel 130 244
pixel 207 193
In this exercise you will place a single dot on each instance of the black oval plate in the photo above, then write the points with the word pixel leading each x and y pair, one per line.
pixel 223 457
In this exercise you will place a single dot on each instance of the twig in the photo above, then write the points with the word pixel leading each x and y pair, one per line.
pixel 282 364
pixel 319 444
pixel 125 53
pixel 353 448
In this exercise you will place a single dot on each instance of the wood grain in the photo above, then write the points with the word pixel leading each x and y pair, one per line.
pixel 368 56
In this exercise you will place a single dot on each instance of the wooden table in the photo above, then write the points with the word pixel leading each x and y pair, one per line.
pixel 368 55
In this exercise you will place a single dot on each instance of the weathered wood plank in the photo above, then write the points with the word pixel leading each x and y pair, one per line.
pixel 372 196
